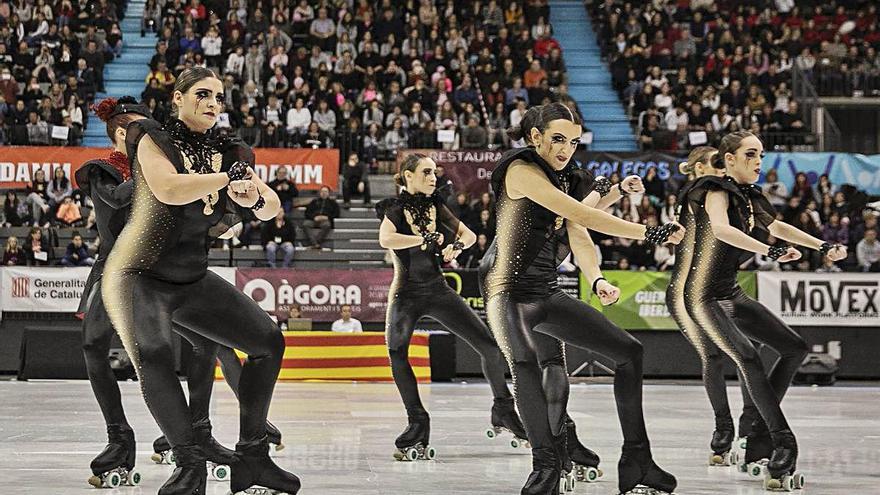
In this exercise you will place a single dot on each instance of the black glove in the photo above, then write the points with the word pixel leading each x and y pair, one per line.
pixel 602 186
pixel 826 247
pixel 429 239
pixel 776 252
pixel 238 171
pixel 660 234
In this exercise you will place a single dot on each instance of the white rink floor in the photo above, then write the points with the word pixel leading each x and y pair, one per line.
pixel 340 438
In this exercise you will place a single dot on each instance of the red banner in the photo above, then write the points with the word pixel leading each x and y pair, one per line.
pixel 469 170
pixel 320 293
pixel 309 168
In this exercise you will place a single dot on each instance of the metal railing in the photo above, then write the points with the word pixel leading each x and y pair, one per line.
pixel 816 116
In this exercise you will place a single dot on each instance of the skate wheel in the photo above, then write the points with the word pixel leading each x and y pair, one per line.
pixel 490 432
pixel 112 480
pixel 715 460
pixel 799 481
pixel 756 470
pixel 733 458
pixel 743 442
pixel 430 453
pixel 133 478
pixel 515 443
pixel 220 472
pixel 592 474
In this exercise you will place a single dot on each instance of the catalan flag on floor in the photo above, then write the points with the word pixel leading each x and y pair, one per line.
pixel 339 356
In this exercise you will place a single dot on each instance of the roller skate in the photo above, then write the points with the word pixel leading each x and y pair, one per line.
pixel 638 474
pixel 274 435
pixel 781 474
pixel 162 453
pixel 547 476
pixel 190 475
pixel 218 457
pixel 114 466
pixel 253 472
pixel 504 418
pixel 759 447
pixel 723 453
pixel 585 461
pixel 744 429
pixel 413 444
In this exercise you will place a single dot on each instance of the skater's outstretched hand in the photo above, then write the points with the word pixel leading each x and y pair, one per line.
pixel 450 253
pixel 837 253
pixel 632 185
pixel 244 192
pixel 791 254
pixel 608 294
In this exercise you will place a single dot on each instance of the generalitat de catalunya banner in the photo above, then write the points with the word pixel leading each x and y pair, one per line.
pixel 54 289
pixel 822 299
pixel 309 168
pixel 320 293
pixel 642 304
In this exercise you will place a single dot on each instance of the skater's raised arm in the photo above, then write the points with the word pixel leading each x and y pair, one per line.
pixel 525 180
pixel 786 232
pixel 716 208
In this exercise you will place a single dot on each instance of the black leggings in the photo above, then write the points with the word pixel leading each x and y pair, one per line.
pixel 711 357
pixel 145 312
pixel 97 336
pixel 521 327
pixel 450 310
pixel 732 324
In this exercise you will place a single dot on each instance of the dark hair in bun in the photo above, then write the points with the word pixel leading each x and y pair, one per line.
pixel 539 117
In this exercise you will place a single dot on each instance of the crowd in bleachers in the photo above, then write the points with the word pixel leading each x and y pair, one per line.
pixel 716 67
pixel 368 77
pixel 52 57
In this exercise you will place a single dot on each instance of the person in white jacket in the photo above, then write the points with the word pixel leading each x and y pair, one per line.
pixel 298 119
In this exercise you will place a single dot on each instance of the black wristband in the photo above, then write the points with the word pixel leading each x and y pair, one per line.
pixel 458 246
pixel 776 252
pixel 261 202
pixel 429 238
pixel 826 247
pixel 602 186
pixel 660 234
pixel 237 171
pixel 620 188
pixel 595 283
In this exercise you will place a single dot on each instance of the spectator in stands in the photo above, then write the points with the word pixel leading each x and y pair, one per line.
pixel 646 137
pixel 285 188
pixel 396 137
pixel 485 224
pixel 474 136
pixel 272 136
pixel 275 234
pixel 77 253
pixel 654 187
pixel 37 130
pixel 868 252
pixel 444 186
pixel 836 231
pixel 471 259
pixel 38 196
pixel 314 138
pixel 68 213
pixel 15 212
pixel 36 248
pixel 802 189
pixel 775 190
pixel 250 133
pixel 346 323
pixel 320 216
pixel 13 254
pixel 59 187
pixel 355 180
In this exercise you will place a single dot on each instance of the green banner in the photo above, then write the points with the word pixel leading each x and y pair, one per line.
pixel 642 304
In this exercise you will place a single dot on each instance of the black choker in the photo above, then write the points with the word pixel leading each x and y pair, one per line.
pixel 199 148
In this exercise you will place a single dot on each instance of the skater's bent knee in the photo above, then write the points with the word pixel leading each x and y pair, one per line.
pixel 558 360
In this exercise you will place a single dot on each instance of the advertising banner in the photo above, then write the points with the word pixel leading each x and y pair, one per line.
pixel 817 299
pixel 642 304
pixel 863 171
pixel 320 293
pixel 309 168
pixel 629 163
pixel 54 289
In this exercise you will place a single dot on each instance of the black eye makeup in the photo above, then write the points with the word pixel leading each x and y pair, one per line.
pixel 752 154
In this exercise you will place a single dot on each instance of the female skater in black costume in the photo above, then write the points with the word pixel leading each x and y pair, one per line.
pixel 411 229
pixel 700 163
pixel 185 178
pixel 533 186
pixel 725 210
pixel 108 183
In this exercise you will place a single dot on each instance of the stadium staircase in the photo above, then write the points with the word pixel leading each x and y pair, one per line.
pixel 126 74
pixel 589 80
